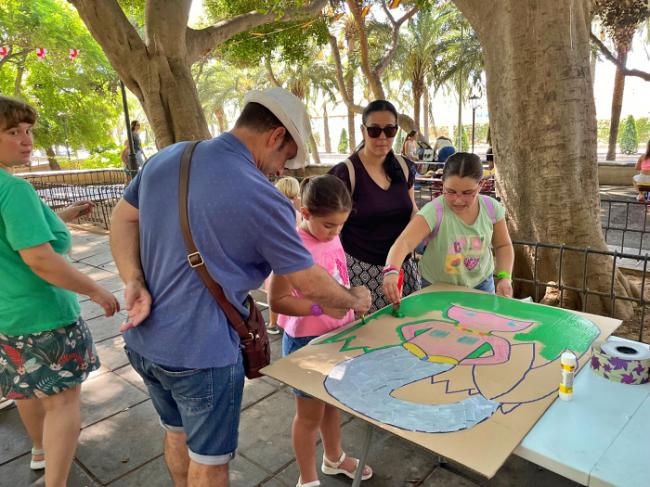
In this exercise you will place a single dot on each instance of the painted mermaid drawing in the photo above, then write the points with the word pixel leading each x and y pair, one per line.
pixel 465 343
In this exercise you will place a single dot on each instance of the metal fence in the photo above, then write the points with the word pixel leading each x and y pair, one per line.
pixel 626 225
pixel 635 265
pixel 103 187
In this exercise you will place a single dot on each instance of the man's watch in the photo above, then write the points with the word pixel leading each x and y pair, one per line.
pixel 316 310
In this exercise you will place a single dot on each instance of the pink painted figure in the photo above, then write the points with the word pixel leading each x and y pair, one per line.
pixel 454 343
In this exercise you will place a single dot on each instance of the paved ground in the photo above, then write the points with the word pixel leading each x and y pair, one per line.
pixel 121 441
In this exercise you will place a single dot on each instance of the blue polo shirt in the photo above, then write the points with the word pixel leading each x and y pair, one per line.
pixel 242 225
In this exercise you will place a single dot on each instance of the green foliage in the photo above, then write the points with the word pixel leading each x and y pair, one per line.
pixel 629 139
pixel 289 39
pixel 108 158
pixel 76 100
pixel 343 141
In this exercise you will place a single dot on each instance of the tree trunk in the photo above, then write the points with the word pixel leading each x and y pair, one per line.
pixel 220 114
pixel 326 129
pixel 617 103
pixel 18 83
pixel 542 109
pixel 313 148
pixel 349 86
pixel 51 159
pixel 425 118
pixel 417 102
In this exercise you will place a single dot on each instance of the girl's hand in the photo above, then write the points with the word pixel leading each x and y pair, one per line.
pixel 504 288
pixel 106 300
pixel 337 313
pixel 391 292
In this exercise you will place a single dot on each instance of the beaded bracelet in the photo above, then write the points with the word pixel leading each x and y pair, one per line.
pixel 392 271
pixel 389 268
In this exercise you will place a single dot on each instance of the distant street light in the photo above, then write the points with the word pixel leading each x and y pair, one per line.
pixel 474 101
pixel 132 168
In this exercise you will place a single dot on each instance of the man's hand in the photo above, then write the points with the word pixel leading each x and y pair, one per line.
pixel 363 299
pixel 337 313
pixel 504 288
pixel 76 210
pixel 138 304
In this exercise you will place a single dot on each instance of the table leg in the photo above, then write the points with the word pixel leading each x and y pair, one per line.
pixel 364 456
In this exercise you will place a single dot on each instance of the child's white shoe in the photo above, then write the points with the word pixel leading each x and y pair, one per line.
pixel 313 483
pixel 332 468
pixel 37 464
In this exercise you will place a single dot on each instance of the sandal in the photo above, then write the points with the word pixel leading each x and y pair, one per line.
pixel 332 468
pixel 313 483
pixel 37 464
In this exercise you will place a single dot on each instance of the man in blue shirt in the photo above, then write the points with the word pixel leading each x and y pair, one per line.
pixel 177 337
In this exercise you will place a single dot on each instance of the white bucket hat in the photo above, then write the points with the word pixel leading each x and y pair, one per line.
pixel 292 114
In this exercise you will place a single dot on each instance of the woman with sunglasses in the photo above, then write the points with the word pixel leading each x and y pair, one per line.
pixel 463 229
pixel 381 184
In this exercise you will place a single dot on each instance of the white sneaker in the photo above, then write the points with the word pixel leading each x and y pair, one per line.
pixel 6 403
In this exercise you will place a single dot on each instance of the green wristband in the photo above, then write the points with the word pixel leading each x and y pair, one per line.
pixel 503 275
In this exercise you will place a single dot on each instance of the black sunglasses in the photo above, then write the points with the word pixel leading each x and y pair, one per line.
pixel 389 131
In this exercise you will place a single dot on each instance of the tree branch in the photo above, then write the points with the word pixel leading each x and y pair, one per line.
pixel 12 55
pixel 397 24
pixel 269 72
pixel 201 42
pixel 624 69
pixel 347 98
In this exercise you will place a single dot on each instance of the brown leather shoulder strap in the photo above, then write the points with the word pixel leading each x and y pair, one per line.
pixel 194 257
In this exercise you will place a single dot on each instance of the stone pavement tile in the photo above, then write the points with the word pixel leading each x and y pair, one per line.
pixel 244 473
pixel 396 462
pixel 442 477
pixel 102 327
pixel 121 443
pixel 152 474
pixel 265 431
pixel 276 483
pixel 13 437
pixel 111 353
pixel 95 273
pixel 129 374
pixel 256 389
pixel 90 309
pixel 97 260
pixel 18 474
pixel 517 471
pixel 112 282
pixel 105 395
pixel 109 266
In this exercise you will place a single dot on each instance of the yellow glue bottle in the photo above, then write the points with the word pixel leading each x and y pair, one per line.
pixel 568 362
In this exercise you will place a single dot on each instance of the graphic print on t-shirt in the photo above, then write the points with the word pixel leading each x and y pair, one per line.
pixel 464 251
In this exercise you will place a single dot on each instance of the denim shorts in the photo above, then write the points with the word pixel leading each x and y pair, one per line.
pixel 202 403
pixel 291 344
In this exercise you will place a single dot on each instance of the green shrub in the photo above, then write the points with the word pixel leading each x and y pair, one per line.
pixel 109 158
pixel 343 141
pixel 464 143
pixel 629 139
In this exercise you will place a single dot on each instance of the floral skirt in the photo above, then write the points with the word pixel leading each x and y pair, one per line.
pixel 46 363
pixel 370 275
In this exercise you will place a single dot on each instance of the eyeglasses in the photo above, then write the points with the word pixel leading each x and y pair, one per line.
pixel 388 130
pixel 450 193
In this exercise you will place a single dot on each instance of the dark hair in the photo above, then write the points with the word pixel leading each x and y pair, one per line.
pixel 463 165
pixel 412 133
pixel 378 106
pixel 391 167
pixel 133 124
pixel 257 117
pixel 324 195
pixel 14 111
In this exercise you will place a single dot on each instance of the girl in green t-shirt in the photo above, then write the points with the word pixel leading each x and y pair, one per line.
pixel 46 349
pixel 462 228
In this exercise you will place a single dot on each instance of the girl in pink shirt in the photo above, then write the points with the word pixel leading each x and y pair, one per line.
pixel 326 205
pixel 643 178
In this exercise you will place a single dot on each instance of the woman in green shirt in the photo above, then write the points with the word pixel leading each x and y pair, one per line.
pixel 46 350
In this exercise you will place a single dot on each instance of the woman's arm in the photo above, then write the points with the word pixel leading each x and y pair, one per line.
pixel 413 234
pixel 75 210
pixel 282 301
pixel 51 267
pixel 504 256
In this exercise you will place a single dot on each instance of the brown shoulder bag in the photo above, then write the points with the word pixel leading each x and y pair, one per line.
pixel 252 331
